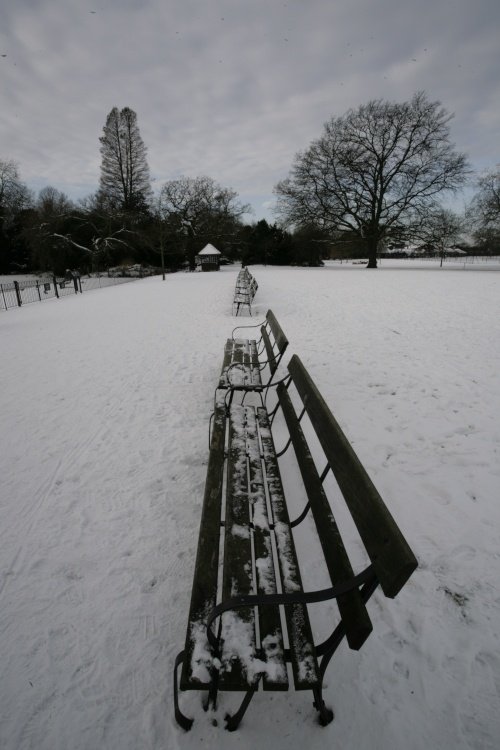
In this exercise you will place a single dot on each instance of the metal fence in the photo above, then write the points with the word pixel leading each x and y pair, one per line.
pixel 17 293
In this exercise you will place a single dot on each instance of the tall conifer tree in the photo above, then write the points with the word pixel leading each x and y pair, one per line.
pixel 124 183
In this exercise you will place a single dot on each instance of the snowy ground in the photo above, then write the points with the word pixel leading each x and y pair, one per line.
pixel 104 408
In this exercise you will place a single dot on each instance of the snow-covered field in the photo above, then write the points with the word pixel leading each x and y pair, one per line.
pixel 104 403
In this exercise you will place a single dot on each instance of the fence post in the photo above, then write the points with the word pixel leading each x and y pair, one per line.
pixel 3 295
pixel 55 285
pixel 38 290
pixel 18 293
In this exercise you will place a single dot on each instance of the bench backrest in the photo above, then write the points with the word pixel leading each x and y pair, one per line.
pixel 391 557
pixel 276 346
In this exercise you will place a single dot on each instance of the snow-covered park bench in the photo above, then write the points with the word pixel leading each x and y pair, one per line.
pixel 251 620
pixel 246 360
pixel 244 291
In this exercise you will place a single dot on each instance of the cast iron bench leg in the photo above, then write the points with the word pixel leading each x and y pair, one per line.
pixel 232 722
pixel 183 721
pixel 325 714
pixel 211 699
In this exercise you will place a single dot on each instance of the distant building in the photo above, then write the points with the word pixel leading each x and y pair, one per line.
pixel 209 258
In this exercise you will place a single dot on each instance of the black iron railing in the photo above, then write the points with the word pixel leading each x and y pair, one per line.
pixel 17 293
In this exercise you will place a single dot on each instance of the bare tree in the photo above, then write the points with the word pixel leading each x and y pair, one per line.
pixel 99 245
pixel 484 211
pixel 487 199
pixel 14 195
pixel 124 183
pixel 199 210
pixel 374 169
pixel 51 202
pixel 65 236
pixel 442 229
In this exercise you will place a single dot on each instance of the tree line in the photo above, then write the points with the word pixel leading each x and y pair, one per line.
pixel 375 178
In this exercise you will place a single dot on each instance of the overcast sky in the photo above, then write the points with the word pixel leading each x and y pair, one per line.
pixel 232 89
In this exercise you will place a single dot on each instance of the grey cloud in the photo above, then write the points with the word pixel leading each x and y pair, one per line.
pixel 232 98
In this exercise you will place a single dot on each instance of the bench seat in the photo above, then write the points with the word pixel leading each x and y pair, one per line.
pixel 249 650
pixel 241 359
pixel 246 359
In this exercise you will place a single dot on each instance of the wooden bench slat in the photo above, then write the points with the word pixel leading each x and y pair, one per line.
pixel 271 359
pixel 351 606
pixel 228 355
pixel 304 663
pixel 392 558
pixel 281 339
pixel 238 358
pixel 197 664
pixel 275 676
pixel 241 663
pixel 254 355
pixel 238 627
pixel 252 363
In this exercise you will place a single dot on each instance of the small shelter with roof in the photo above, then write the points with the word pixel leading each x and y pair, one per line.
pixel 209 258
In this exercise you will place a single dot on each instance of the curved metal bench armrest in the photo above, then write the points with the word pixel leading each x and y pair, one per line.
pixel 257 325
pixel 301 597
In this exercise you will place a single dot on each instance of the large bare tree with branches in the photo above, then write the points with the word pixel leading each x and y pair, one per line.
pixel 199 210
pixel 375 169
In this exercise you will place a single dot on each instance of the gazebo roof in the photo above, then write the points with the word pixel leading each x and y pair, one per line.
pixel 209 250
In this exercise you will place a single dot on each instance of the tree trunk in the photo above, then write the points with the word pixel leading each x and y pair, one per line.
pixel 372 247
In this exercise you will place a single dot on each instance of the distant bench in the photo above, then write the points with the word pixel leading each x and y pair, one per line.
pixel 247 359
pixel 247 562
pixel 244 292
